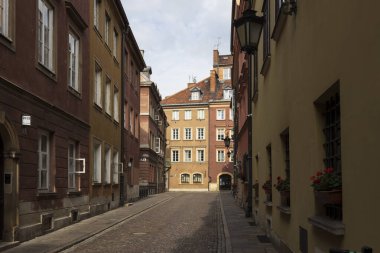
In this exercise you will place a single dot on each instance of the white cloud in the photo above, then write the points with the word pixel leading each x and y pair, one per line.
pixel 178 37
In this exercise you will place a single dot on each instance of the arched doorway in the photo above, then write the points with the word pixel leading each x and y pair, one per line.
pixel 225 182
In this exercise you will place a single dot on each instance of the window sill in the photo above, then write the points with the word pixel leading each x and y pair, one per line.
pixel 98 32
pixel 268 203
pixel 280 23
pixel 115 61
pixel 96 184
pixel 6 41
pixel 332 226
pixel 266 65
pixel 98 107
pixel 46 71
pixel 284 209
pixel 47 195
pixel 116 123
pixel 73 193
pixel 74 92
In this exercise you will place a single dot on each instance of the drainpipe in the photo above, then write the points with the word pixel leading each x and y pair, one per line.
pixel 248 212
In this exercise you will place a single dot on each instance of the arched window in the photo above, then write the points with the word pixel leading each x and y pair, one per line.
pixel 197 178
pixel 185 178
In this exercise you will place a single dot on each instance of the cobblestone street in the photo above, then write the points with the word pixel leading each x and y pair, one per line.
pixel 186 223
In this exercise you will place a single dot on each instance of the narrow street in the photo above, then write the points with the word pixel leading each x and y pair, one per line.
pixel 186 223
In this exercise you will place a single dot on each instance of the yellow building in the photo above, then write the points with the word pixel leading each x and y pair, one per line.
pixel 316 107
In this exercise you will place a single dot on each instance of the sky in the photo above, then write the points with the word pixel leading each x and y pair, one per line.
pixel 178 38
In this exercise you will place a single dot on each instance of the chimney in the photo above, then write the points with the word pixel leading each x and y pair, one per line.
pixel 215 58
pixel 212 81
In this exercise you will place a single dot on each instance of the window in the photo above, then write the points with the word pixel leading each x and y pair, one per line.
pixel 175 115
pixel 125 114
pixel 220 134
pixel 97 149
pixel 187 115
pixel 285 142
pixel 175 134
pixel 185 178
pixel 266 29
pixel 71 165
pixel 4 17
pixel 200 133
pixel 175 155
pixel 45 34
pixel 131 118
pixel 278 4
pixel 107 167
pixel 197 178
pixel 220 155
pixel 226 73
pixel 195 95
pixel 116 167
pixel 73 75
pixel 220 114
pixel 269 153
pixel 137 128
pixel 107 96
pixel 201 114
pixel 231 158
pixel 96 13
pixel 200 155
pixel 43 161
pixel 188 133
pixel 115 38
pixel 157 144
pixel 116 103
pixel 187 155
pixel 98 85
pixel 227 94
pixel 107 29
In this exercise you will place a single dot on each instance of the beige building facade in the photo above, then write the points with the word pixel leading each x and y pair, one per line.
pixel 317 107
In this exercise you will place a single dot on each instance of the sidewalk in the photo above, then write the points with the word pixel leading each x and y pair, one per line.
pixel 241 235
pixel 73 234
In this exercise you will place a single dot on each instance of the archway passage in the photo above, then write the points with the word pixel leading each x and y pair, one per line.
pixel 225 182
pixel 1 188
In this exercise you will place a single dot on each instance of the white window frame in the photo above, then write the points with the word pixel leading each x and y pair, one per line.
pixel 175 158
pixel 226 73
pixel 45 34
pixel 71 167
pixel 200 134
pixel 231 159
pixel 98 85
pixel 220 134
pixel 175 134
pixel 107 164
pixel 188 114
pixel 4 22
pixel 187 155
pixel 115 40
pixel 200 157
pixel 97 149
pixel 220 114
pixel 201 177
pixel 182 175
pixel 157 144
pixel 201 114
pixel 116 164
pixel 107 96
pixel 116 103
pixel 73 64
pixel 231 114
pixel 187 133
pixel 195 95
pixel 227 94
pixel 107 25
pixel 96 13
pixel 175 115
pixel 218 157
pixel 43 154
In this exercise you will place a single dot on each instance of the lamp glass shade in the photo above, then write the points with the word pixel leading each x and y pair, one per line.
pixel 248 29
pixel 227 141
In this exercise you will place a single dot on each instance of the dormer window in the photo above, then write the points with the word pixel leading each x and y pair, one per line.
pixel 195 94
pixel 227 93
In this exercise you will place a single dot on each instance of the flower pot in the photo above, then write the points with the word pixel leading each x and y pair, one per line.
pixel 285 198
pixel 333 197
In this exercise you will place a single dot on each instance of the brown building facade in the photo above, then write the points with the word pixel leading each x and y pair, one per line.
pixel 153 125
pixel 44 123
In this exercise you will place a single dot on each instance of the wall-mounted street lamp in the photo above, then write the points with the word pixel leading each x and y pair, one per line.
pixel 248 29
pixel 227 142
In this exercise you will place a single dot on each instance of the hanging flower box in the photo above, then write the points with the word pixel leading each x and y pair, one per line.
pixel 333 197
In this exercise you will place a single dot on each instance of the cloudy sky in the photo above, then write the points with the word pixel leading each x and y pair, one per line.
pixel 178 37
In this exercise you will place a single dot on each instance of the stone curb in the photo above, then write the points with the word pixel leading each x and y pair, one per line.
pixel 225 226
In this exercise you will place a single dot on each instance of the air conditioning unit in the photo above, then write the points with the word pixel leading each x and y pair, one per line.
pixel 156 117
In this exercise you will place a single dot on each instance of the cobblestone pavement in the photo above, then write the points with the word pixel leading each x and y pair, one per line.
pixel 189 222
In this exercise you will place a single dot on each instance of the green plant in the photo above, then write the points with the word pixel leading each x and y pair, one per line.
pixel 326 180
pixel 282 184
pixel 267 186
